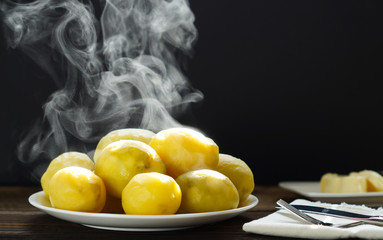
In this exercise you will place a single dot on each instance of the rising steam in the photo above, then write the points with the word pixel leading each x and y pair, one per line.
pixel 115 70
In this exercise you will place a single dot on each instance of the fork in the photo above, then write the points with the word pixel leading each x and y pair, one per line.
pixel 315 221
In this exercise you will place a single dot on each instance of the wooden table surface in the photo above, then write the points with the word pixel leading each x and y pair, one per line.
pixel 20 220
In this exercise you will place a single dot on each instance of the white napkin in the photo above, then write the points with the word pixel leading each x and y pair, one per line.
pixel 284 224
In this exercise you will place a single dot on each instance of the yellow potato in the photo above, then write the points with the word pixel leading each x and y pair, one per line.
pixel 151 194
pixel 67 159
pixel 206 191
pixel 142 135
pixel 183 150
pixel 239 173
pixel 77 189
pixel 121 160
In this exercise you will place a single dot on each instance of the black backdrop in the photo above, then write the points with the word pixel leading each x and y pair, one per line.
pixel 294 88
pixel 292 85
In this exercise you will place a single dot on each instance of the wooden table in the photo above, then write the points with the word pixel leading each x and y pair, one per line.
pixel 20 220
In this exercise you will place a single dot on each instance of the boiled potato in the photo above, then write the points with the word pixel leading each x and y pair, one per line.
pixel 239 173
pixel 206 191
pixel 142 135
pixel 64 160
pixel 77 189
pixel 183 150
pixel 151 194
pixel 121 160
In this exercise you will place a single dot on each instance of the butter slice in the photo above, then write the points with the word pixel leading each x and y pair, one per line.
pixel 330 183
pixel 374 180
pixel 334 183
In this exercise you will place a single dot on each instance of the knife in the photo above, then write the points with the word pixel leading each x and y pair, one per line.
pixel 336 213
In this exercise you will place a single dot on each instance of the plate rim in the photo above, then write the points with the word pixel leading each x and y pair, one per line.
pixel 33 200
pixel 286 185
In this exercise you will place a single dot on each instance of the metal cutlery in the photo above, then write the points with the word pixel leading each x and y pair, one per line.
pixel 315 221
pixel 335 213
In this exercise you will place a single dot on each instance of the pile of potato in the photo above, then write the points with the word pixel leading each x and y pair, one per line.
pixel 135 171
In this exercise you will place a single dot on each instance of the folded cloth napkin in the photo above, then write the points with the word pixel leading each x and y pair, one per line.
pixel 284 224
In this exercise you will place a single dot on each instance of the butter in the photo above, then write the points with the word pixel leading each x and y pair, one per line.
pixel 355 182
pixel 330 183
pixel 374 180
pixel 334 183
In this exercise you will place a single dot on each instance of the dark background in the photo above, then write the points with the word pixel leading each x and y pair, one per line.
pixel 294 88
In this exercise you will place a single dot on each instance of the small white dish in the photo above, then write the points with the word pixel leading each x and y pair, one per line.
pixel 122 222
pixel 312 191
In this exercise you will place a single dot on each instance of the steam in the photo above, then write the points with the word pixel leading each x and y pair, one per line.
pixel 115 71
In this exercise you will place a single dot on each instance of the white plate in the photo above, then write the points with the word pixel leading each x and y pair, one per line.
pixel 124 222
pixel 312 191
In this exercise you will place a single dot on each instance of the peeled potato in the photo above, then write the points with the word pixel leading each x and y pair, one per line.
pixel 141 135
pixel 77 189
pixel 120 161
pixel 151 194
pixel 239 173
pixel 206 191
pixel 67 159
pixel 183 150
